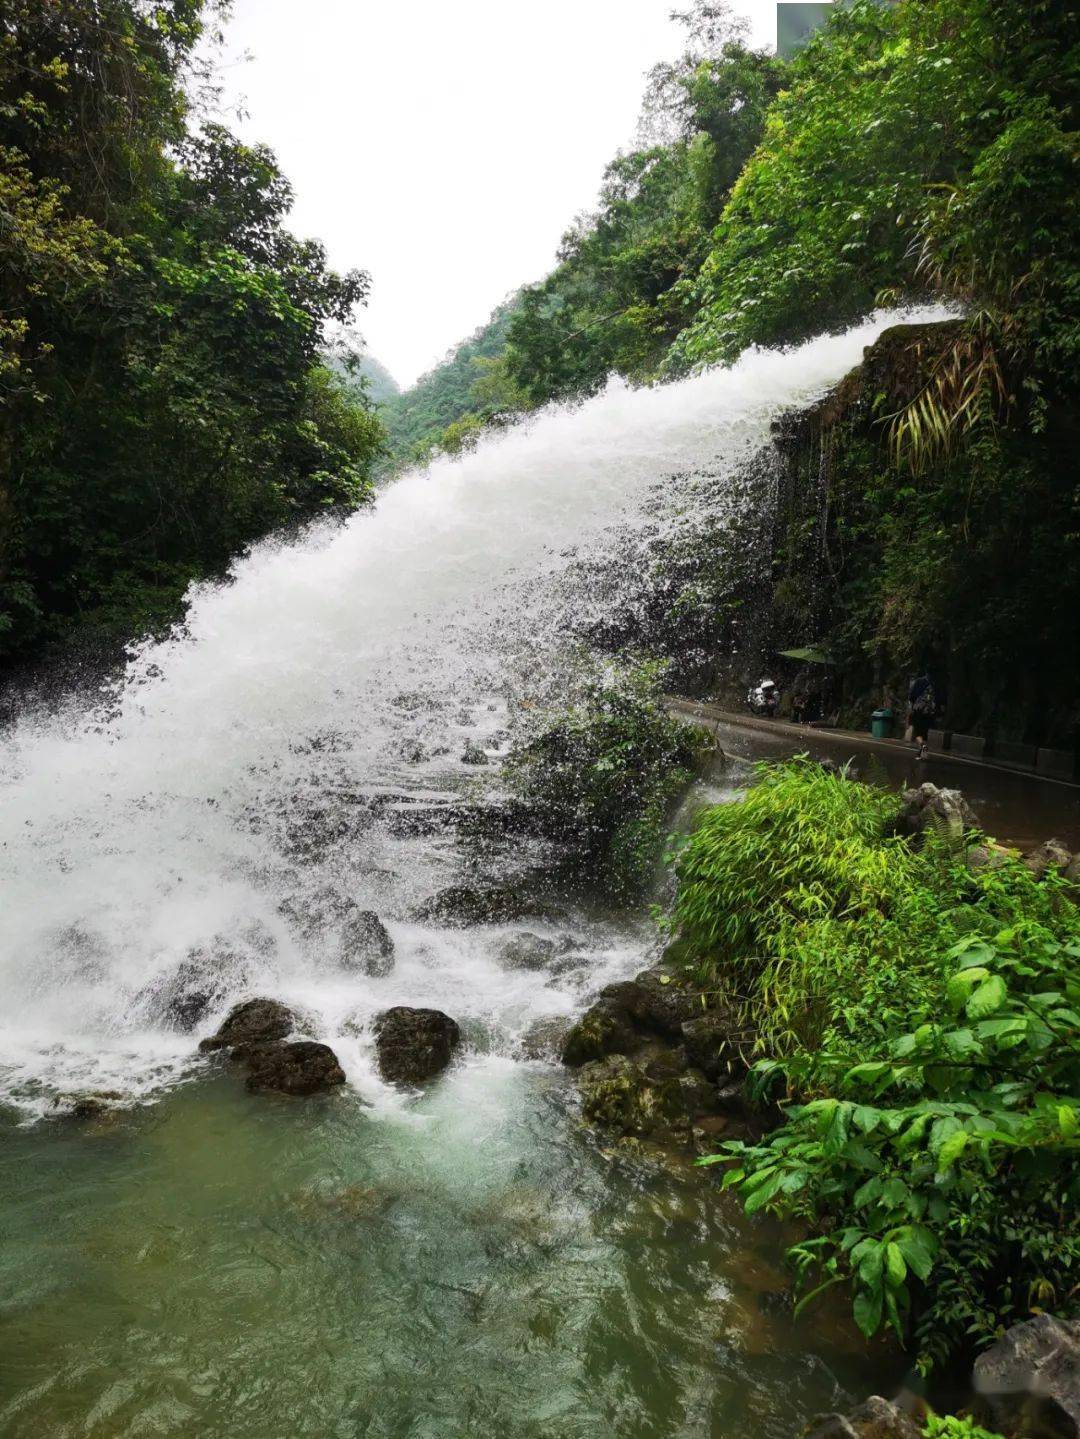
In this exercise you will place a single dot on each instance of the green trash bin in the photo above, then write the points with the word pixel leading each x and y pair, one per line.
pixel 881 724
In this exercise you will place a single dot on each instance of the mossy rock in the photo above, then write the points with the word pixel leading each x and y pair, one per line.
pixel 601 1030
pixel 657 1098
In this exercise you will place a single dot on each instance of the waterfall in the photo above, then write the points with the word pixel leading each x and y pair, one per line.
pixel 217 807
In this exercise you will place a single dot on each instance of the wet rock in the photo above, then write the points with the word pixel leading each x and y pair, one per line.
pixel 714 1044
pixel 411 751
pixel 365 946
pixel 89 1104
pixel 656 1098
pixel 311 913
pixel 1030 1379
pixel 545 1039
pixel 473 754
pixel 985 857
pixel 876 1419
pixel 255 1021
pixel 461 906
pixel 300 1068
pixel 603 1029
pixel 417 702
pixel 632 1012
pixel 1049 856
pixel 529 951
pixel 414 1044
pixel 182 998
pixel 658 1000
pixel 942 811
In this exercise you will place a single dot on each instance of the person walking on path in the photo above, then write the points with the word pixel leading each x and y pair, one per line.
pixel 922 707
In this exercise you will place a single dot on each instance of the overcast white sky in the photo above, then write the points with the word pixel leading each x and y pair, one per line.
pixel 444 145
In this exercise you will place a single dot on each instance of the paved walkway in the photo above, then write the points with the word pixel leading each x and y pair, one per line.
pixel 853 740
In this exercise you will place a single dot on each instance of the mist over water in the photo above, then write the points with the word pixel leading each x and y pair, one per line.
pixel 250 776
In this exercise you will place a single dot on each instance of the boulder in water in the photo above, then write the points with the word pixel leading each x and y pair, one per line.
pixel 473 754
pixel 366 946
pixel 301 1067
pixel 461 906
pixel 412 751
pixel 650 1097
pixel 530 951
pixel 602 1030
pixel 184 997
pixel 414 1044
pixel 255 1021
pixel 1030 1378
pixel 545 1038
pixel 87 1104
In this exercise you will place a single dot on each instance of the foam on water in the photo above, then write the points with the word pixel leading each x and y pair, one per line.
pixel 228 781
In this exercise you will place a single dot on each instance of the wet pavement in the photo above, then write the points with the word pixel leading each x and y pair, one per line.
pixel 1015 807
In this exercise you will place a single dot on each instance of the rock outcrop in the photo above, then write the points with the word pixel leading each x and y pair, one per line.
pixel 1030 1379
pixel 365 945
pixel 944 811
pixel 875 1419
pixel 654 1096
pixel 414 1044
pixel 656 1062
pixel 1051 855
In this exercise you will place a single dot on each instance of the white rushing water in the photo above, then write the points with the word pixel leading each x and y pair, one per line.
pixel 214 811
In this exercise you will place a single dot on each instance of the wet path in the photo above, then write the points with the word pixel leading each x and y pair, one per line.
pixel 1016 808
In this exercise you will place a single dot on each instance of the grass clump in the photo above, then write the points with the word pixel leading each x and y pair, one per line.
pixel 920 1024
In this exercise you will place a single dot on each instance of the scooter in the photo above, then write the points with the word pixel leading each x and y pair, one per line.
pixel 764 699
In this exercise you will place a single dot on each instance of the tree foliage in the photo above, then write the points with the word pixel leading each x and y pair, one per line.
pixel 162 399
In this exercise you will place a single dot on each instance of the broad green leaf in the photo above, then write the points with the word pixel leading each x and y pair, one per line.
pixel 867 1310
pixel 952 1149
pixel 989 996
pixel 895 1268
pixel 916 1250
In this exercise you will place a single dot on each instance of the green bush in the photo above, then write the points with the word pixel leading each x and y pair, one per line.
pixel 949 1426
pixel 921 1024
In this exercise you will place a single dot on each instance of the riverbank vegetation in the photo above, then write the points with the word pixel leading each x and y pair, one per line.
pixel 916 1014
pixel 164 399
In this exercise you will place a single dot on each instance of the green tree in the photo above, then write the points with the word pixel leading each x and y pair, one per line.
pixel 162 401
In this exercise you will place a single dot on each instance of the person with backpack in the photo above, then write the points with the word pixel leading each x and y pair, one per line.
pixel 922 707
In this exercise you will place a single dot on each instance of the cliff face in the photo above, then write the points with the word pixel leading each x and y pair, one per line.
pixel 903 540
